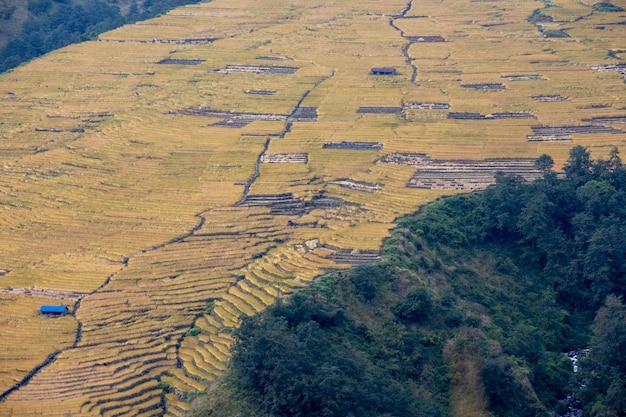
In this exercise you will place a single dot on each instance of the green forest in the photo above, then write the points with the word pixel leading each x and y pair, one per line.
pixel 34 28
pixel 507 279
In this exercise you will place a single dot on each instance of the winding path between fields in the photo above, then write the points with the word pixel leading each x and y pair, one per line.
pixel 405 50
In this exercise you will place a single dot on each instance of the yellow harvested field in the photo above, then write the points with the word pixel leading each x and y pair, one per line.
pixel 179 173
pixel 22 322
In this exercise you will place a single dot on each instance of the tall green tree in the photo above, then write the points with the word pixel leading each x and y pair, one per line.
pixel 579 165
pixel 544 163
pixel 606 373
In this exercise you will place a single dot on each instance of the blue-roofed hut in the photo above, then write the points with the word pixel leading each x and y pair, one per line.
pixel 54 311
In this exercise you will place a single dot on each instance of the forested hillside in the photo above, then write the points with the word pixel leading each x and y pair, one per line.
pixel 29 29
pixel 470 313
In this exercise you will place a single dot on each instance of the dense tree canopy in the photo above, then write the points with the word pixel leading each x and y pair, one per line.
pixel 294 367
pixel 503 281
pixel 605 372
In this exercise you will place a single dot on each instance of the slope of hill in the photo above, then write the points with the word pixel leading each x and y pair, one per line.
pixel 470 314
pixel 179 173
pixel 29 29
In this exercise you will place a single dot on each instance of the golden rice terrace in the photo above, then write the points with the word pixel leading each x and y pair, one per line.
pixel 181 172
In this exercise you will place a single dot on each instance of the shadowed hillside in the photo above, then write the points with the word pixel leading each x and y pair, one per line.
pixel 29 29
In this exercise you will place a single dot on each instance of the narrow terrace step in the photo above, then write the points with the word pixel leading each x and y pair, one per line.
pixel 178 380
pixel 607 119
pixel 248 297
pixel 242 306
pixel 221 345
pixel 269 288
pixel 207 324
pixel 257 279
pixel 149 401
pixel 258 69
pixel 574 129
pixel 213 358
pixel 550 98
pixel 485 86
pixel 197 366
pixel 175 407
pixel 355 257
pixel 379 110
pixel 426 106
pixel 227 314
pixel 263 296
pixel 282 158
pixel 126 394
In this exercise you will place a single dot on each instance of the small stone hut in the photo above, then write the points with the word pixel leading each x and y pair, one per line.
pixel 383 71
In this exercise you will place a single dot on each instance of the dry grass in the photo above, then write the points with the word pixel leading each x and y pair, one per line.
pixel 21 321
pixel 466 390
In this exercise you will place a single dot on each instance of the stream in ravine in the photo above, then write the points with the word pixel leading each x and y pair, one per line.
pixel 572 402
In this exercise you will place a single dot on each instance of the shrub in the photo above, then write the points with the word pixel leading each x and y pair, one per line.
pixel 194 331
pixel 559 33
pixel 165 387
pixel 364 280
pixel 607 7
pixel 416 307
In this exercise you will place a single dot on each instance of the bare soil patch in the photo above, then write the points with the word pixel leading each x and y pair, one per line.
pixel 258 69
pixel 459 174
pixel 426 39
pixel 485 86
pixel 560 133
pixel 46 293
pixel 355 256
pixel 279 158
pixel 360 146
pixel 550 98
pixel 231 119
pixel 606 119
pixel 289 205
pixel 366 187
pixel 426 106
pixel 523 77
pixel 379 110
pixel 619 68
pixel 187 41
pixel 173 61
pixel 492 116
pixel 261 92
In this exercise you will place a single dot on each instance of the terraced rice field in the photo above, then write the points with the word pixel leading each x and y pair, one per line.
pixel 182 172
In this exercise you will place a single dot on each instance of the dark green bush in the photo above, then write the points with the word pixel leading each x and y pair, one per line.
pixel 194 331
pixel 416 307
pixel 557 33
pixel 606 6
pixel 165 387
